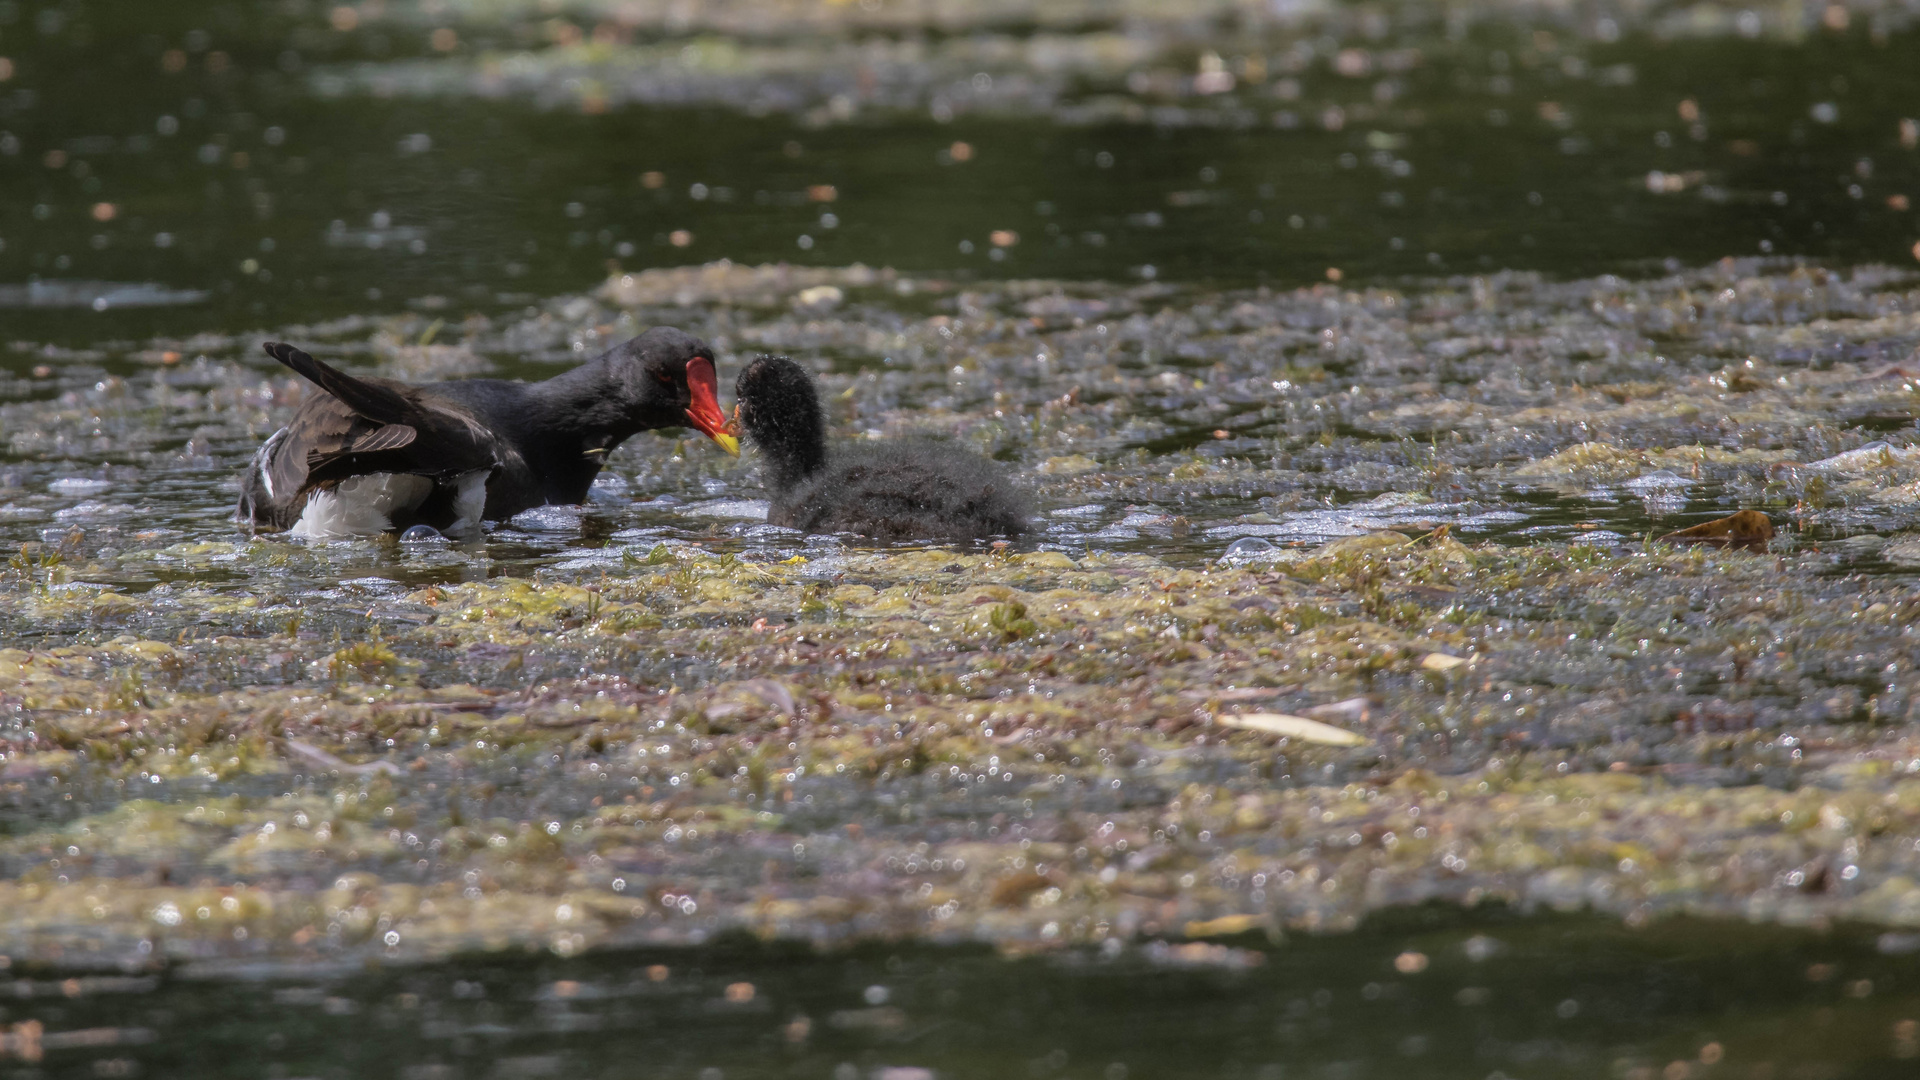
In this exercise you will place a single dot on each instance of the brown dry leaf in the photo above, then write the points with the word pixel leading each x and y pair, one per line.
pixel 1439 661
pixel 1013 890
pixel 1748 529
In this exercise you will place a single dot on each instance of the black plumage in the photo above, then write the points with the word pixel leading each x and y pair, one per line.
pixel 531 443
pixel 898 489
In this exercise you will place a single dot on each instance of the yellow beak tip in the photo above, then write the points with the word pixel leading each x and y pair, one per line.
pixel 728 443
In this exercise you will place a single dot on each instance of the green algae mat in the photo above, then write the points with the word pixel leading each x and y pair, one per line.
pixel 1359 706
pixel 1403 626
pixel 656 718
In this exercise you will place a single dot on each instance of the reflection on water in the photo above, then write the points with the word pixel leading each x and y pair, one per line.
pixel 95 295
pixel 289 170
pixel 1414 994
pixel 1102 231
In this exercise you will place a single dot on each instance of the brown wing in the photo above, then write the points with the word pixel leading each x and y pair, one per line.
pixel 385 437
pixel 323 428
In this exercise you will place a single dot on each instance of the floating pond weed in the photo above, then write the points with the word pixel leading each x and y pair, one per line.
pixel 1010 621
pixel 607 687
pixel 369 661
pixel 1504 618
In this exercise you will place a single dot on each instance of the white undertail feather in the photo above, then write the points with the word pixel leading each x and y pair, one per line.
pixel 363 505
pixel 469 502
pixel 261 459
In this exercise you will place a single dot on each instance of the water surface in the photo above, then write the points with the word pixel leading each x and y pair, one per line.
pixel 1357 360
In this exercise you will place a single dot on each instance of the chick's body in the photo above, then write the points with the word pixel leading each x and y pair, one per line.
pixel 905 489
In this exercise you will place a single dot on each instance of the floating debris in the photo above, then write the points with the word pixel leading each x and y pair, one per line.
pixel 1481 615
pixel 1748 529
pixel 1353 710
pixel 1293 727
pixel 314 757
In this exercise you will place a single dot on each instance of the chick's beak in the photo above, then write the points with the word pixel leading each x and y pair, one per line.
pixel 704 410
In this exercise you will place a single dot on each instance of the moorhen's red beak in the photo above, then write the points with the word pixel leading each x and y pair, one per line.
pixel 704 411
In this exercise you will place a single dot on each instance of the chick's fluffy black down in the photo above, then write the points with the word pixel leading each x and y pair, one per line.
pixel 905 490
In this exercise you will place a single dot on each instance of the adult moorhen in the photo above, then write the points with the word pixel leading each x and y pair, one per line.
pixel 372 454
pixel 907 489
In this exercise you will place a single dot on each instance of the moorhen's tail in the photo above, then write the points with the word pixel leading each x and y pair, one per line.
pixel 395 418
pixel 373 402
pixel 353 446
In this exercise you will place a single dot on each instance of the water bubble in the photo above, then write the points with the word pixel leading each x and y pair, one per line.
pixel 1658 480
pixel 1249 549
pixel 422 534
pixel 609 488
pixel 548 519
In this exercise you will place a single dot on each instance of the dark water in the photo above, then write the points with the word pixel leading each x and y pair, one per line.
pixel 232 178
pixel 1414 994
pixel 229 197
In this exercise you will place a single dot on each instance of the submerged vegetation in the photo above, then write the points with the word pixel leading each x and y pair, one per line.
pixel 1430 518
pixel 1477 509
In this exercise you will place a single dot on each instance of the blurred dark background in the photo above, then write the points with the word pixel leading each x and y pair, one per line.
pixel 240 165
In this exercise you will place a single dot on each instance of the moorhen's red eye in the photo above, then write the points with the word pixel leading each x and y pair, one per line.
pixel 665 379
